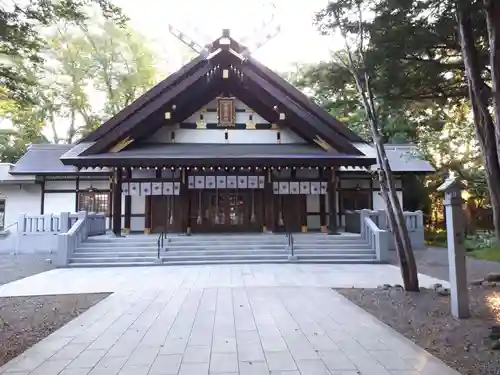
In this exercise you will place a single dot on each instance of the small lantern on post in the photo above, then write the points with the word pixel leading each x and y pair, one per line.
pixel 455 228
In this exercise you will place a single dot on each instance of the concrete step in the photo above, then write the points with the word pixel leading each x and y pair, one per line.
pixel 98 245
pixel 215 257
pixel 339 256
pixel 334 251
pixel 193 263
pixel 111 259
pixel 117 254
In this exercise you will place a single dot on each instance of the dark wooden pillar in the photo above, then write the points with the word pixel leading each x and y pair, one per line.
pixel 42 197
pixel 185 198
pixel 117 202
pixel 332 203
pixel 128 205
pixel 269 203
pixel 322 203
pixel 147 214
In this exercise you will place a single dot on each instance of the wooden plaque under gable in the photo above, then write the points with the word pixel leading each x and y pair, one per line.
pixel 226 111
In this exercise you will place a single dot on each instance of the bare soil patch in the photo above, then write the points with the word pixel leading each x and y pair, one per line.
pixel 24 321
pixel 425 319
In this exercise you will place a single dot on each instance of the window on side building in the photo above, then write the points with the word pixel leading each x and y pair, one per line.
pixel 93 201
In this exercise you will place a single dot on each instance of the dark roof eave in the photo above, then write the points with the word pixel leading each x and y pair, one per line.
pixel 266 160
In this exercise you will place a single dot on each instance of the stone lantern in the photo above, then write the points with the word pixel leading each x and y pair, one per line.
pixel 455 228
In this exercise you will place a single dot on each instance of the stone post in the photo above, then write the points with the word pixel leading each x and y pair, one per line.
pixel 64 224
pixel 456 247
pixel 21 224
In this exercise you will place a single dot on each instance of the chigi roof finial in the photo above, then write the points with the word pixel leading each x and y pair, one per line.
pixel 263 33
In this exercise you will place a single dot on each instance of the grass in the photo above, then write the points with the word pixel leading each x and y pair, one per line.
pixel 489 253
pixel 478 246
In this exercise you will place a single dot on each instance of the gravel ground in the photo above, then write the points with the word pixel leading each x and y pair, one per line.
pixel 14 267
pixel 425 319
pixel 434 262
pixel 26 320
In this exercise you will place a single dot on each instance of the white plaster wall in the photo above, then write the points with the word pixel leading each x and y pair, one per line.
pixel 96 184
pixel 313 222
pixel 143 173
pixel 138 204
pixel 397 183
pixel 137 224
pixel 60 185
pixel 241 117
pixel 235 136
pixel 351 184
pixel 55 203
pixel 20 199
pixel 378 201
pixel 312 203
pixel 307 173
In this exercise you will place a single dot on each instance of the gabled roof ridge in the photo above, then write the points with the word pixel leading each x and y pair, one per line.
pixel 306 101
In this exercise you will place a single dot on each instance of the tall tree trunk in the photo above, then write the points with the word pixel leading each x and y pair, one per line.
pixel 479 93
pixel 492 15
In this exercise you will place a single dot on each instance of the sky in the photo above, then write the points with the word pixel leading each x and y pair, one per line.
pixel 297 42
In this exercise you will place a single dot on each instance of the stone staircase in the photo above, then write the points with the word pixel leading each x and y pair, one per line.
pixel 136 250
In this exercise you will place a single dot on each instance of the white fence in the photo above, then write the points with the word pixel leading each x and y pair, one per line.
pixel 414 222
pixel 39 233
pixel 84 225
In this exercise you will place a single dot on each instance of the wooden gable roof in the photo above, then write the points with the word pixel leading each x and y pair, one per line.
pixel 201 80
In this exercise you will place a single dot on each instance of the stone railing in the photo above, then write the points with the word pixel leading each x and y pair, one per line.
pixel 377 238
pixel 39 233
pixel 86 225
pixel 55 224
pixel 414 222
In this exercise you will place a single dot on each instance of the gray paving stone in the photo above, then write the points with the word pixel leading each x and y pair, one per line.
pixel 134 370
pixel 391 361
pixel 52 367
pixel 251 352
pixel 109 365
pixel 336 360
pixel 143 356
pixel 25 363
pixel 75 371
pixel 174 346
pixel 70 351
pixel 224 345
pixel 223 362
pixel 281 361
pixel 87 358
pixel 196 354
pixel 273 344
pixel 166 365
pixel 322 342
pixel 253 368
pixel 247 337
pixel 194 369
pixel 312 367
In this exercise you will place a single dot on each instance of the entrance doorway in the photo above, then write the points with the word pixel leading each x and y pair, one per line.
pixel 226 210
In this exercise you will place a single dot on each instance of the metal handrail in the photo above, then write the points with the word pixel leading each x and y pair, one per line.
pixel 160 242
pixel 290 242
pixel 11 225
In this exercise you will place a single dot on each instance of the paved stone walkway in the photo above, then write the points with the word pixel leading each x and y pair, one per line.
pixel 433 261
pixel 95 280
pixel 247 320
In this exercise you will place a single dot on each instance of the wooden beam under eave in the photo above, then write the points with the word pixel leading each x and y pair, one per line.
pixel 121 144
pixel 322 143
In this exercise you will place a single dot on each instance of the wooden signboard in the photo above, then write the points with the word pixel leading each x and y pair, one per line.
pixel 226 111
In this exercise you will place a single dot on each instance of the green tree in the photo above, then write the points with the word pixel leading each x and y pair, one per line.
pixel 417 67
pixel 21 38
pixel 90 72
